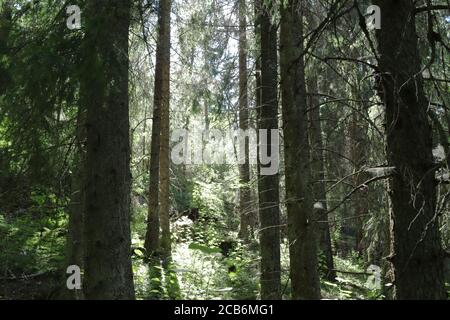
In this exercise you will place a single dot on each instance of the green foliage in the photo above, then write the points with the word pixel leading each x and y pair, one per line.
pixel 204 273
pixel 203 248
pixel 243 275
pixel 351 283
pixel 33 239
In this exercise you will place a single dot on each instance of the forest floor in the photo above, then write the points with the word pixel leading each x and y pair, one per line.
pixel 351 283
pixel 200 275
pixel 34 287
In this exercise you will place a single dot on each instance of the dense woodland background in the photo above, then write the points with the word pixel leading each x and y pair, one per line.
pixel 86 176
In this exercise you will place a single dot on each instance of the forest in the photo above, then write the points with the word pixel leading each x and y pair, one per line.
pixel 224 149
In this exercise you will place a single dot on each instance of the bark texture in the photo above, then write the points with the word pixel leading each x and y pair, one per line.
pixel 156 240
pixel 268 185
pixel 108 272
pixel 416 253
pixel 299 201
pixel 164 92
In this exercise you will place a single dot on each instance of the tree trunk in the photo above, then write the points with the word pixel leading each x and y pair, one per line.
pixel 163 90
pixel 416 253
pixel 319 186
pixel 246 212
pixel 268 185
pixel 152 235
pixel 108 273
pixel 258 96
pixel 301 229
pixel 152 238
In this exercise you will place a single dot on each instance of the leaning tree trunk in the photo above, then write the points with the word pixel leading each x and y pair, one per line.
pixel 268 185
pixel 301 229
pixel 319 185
pixel 246 212
pixel 416 253
pixel 108 273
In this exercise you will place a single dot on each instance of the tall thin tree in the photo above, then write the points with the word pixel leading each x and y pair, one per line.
pixel 163 91
pixel 299 201
pixel 156 240
pixel 246 214
pixel 268 185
